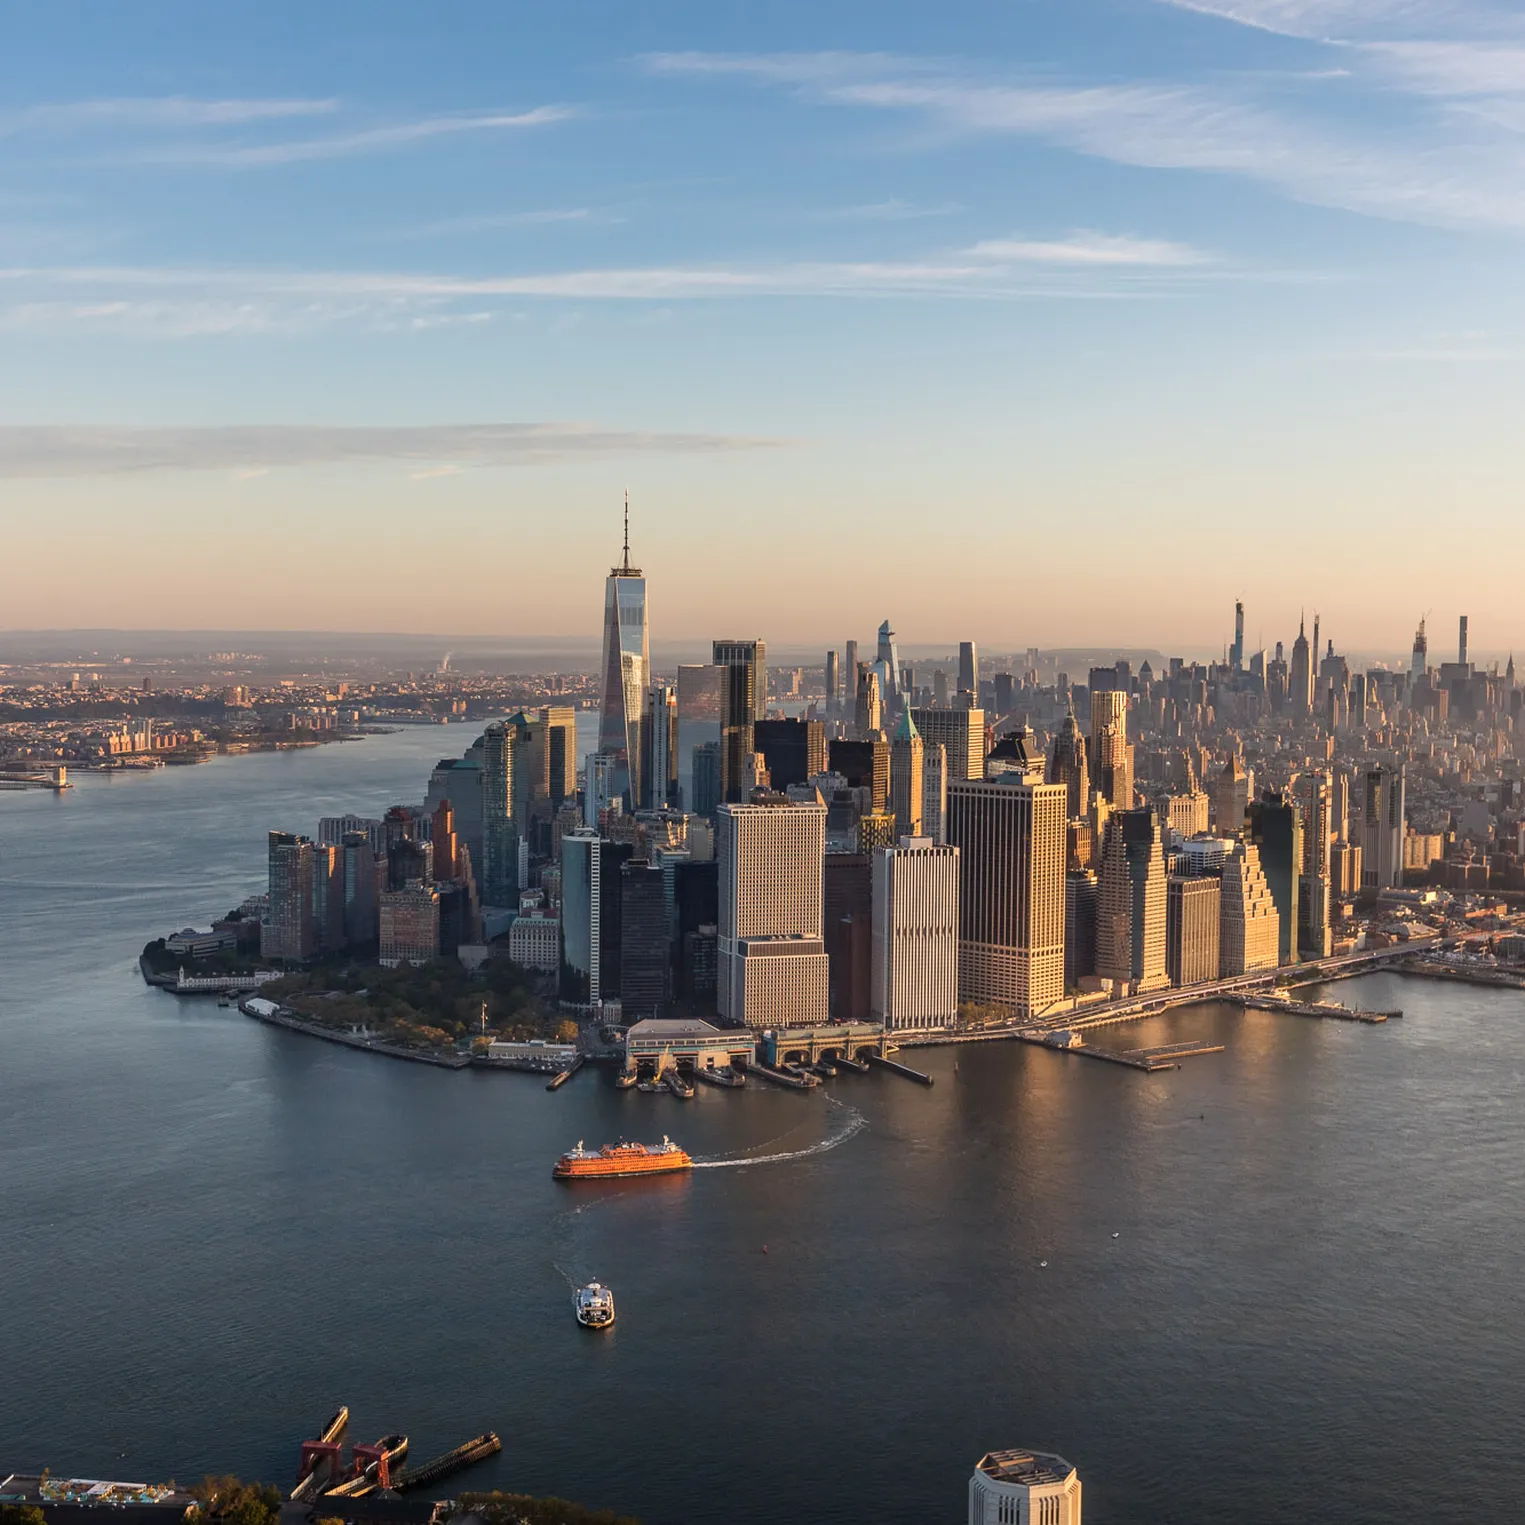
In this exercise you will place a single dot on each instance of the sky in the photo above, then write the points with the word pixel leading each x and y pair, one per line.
pixel 1044 322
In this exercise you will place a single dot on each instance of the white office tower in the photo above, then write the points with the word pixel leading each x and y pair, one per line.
pixel 914 949
pixel 1024 1488
pixel 934 791
pixel 772 959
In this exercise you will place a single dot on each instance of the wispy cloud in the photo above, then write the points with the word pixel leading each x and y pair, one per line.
pixel 1084 249
pixel 891 210
pixel 368 141
pixel 1440 168
pixel 248 450
pixel 217 300
pixel 1317 18
pixel 486 222
pixel 174 113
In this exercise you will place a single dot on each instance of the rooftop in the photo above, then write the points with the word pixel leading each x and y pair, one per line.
pixel 1029 1468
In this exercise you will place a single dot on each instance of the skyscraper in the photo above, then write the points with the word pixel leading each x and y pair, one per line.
pixel 1277 830
pixel 1315 794
pixel 773 966
pixel 1111 756
pixel 701 703
pixel 869 713
pixel 934 790
pixel 500 850
pixel 659 737
pixel 626 663
pixel 1420 661
pixel 887 661
pixel 591 923
pixel 833 683
pixel 561 751
pixel 1231 797
pixel 1236 652
pixel 914 953
pixel 795 750
pixel 969 669
pixel 1384 817
pixel 740 663
pixel 962 733
pixel 1010 835
pixel 1131 907
pixel 1067 766
pixel 1193 912
pixel 287 931
pixel 645 957
pixel 1300 680
pixel 907 777
pixel 1461 643
pixel 754 653
pixel 1248 927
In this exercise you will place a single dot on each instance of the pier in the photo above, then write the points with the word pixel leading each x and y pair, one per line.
pixel 880 1062
pixel 1330 1009
pixel 452 1461
pixel 779 1077
pixel 558 1080
pixel 1166 1056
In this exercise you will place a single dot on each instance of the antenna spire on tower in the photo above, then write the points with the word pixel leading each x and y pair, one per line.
pixel 627 529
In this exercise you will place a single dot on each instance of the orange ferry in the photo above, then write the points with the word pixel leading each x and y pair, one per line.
pixel 621 1159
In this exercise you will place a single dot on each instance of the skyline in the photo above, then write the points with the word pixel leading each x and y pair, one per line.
pixel 1173 302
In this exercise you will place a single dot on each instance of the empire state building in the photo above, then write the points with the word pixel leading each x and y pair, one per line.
pixel 626 665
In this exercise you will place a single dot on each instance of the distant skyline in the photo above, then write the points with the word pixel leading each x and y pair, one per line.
pixel 1055 324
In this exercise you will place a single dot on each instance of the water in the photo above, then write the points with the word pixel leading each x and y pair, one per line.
pixel 212 1233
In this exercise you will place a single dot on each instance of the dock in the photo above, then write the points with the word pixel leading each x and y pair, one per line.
pixel 779 1078
pixel 879 1062
pixel 842 1062
pixel 562 1076
pixel 1164 1056
pixel 1329 1009
pixel 452 1461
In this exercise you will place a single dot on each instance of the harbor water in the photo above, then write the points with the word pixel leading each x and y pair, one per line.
pixel 1281 1273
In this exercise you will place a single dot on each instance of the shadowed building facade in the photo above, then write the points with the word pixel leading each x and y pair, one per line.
pixel 1009 832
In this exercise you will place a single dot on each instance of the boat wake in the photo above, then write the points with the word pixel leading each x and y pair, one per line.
pixel 853 1124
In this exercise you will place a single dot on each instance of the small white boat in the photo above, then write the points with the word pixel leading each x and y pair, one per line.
pixel 594 1306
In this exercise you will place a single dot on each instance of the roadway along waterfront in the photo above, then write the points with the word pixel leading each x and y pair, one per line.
pixel 215 1231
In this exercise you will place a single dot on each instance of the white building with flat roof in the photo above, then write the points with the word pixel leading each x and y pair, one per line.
pixel 773 969
pixel 913 959
pixel 1024 1488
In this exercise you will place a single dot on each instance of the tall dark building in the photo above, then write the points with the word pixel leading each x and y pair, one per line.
pixel 407 860
pixel 590 918
pixel 707 778
pixel 847 908
pixel 741 706
pixel 1080 891
pixel 865 765
pixel 1276 828
pixel 793 749
pixel 1005 693
pixel 695 905
pixel 645 968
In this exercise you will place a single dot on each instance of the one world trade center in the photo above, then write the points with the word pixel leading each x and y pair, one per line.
pixel 626 666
